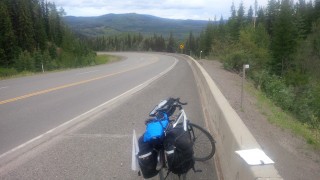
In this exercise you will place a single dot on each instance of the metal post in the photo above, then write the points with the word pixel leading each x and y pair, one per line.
pixel 243 77
pixel 42 67
pixel 245 66
pixel 200 54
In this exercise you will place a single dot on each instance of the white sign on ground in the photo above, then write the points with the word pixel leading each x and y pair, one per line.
pixel 255 157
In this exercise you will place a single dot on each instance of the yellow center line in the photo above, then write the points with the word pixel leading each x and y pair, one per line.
pixel 70 85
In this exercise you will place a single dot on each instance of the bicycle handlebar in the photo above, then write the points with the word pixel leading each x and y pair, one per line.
pixel 175 103
pixel 180 103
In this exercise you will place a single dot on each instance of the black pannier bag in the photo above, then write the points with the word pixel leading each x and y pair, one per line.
pixel 147 158
pixel 179 150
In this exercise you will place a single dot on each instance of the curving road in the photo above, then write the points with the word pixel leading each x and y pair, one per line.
pixel 33 105
pixel 95 128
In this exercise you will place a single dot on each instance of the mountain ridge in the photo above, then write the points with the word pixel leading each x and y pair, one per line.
pixel 111 24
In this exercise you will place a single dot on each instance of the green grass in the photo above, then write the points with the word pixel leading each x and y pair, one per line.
pixel 104 58
pixel 285 120
pixel 12 73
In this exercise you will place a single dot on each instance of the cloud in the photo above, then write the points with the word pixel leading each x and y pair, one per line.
pixel 177 9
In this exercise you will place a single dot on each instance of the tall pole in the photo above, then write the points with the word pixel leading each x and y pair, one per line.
pixel 200 54
pixel 243 77
pixel 245 66
pixel 42 67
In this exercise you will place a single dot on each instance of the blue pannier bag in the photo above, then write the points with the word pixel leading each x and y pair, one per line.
pixel 155 128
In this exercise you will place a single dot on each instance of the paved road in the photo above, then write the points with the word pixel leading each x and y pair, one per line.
pixel 33 105
pixel 100 146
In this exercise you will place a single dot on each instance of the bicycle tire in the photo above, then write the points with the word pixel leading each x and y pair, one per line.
pixel 204 148
pixel 163 175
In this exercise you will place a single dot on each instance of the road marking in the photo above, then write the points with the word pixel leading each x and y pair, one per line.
pixel 129 92
pixel 71 84
pixel 100 135
pixel 87 72
pixel 4 87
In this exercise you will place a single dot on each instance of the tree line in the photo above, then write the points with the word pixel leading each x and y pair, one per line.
pixel 134 42
pixel 33 36
pixel 281 42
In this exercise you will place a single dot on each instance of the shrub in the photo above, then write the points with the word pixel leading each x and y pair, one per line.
pixel 276 89
pixel 259 77
pixel 7 72
pixel 25 62
pixel 235 60
pixel 315 104
pixel 302 105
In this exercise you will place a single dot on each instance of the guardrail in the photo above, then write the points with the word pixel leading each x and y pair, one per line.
pixel 230 132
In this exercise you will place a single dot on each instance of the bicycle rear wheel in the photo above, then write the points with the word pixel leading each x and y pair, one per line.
pixel 203 143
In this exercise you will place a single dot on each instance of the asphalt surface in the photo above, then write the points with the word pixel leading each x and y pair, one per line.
pixel 33 110
pixel 98 147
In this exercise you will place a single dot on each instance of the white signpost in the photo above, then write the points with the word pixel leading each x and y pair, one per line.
pixel 245 66
pixel 135 150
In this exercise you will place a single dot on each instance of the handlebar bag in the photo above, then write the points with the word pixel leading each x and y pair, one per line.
pixel 147 158
pixel 155 129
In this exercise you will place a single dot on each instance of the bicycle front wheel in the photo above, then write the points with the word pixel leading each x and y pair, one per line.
pixel 203 143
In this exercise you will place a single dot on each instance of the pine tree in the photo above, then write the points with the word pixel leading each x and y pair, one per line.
pixel 284 39
pixel 171 44
pixel 191 44
pixel 45 10
pixel 271 14
pixel 316 13
pixel 233 11
pixel 233 24
pixel 7 39
pixel 241 17
pixel 39 27
pixel 261 18
pixel 25 27
pixel 250 17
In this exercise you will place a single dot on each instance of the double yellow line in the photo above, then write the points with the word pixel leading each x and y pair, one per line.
pixel 70 85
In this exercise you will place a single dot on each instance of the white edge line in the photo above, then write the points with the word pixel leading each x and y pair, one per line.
pixel 4 87
pixel 87 72
pixel 133 90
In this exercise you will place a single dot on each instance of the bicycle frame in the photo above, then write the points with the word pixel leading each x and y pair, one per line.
pixel 182 117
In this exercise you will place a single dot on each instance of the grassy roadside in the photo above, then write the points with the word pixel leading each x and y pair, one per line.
pixel 104 59
pixel 12 73
pixel 284 120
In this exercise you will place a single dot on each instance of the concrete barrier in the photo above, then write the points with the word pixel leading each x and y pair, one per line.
pixel 230 132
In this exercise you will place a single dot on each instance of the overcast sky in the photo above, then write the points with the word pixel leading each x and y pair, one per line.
pixel 174 9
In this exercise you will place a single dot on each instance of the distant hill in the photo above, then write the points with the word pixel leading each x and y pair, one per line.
pixel 111 24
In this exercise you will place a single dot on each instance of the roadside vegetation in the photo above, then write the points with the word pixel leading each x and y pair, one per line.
pixel 34 38
pixel 133 42
pixel 99 59
pixel 284 119
pixel 281 42
pixel 105 58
